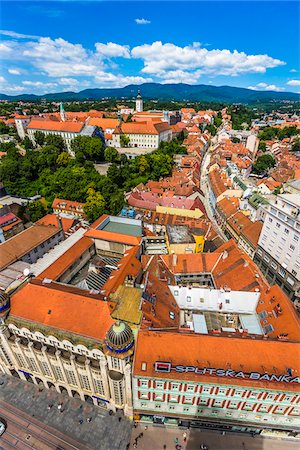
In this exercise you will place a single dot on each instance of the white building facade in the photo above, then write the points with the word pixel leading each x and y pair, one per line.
pixel 278 252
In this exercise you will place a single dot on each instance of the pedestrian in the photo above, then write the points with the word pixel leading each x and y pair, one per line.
pixel 146 428
pixel 135 424
pixel 176 440
pixel 165 446
pixel 81 421
pixel 184 436
pixel 120 418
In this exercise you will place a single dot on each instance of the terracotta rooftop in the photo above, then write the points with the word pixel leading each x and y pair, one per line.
pixel 128 266
pixel 51 125
pixel 21 244
pixel 252 232
pixel 67 205
pixel 236 270
pixel 52 220
pixel 147 127
pixel 62 308
pixel 103 122
pixel 191 263
pixel 272 357
pixel 59 267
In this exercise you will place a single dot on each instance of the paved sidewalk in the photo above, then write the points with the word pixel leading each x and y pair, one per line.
pixel 104 432
pixel 160 438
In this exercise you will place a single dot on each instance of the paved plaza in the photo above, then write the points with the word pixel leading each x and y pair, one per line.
pixel 162 438
pixel 103 432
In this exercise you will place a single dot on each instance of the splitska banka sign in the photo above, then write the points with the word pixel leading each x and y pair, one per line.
pixel 166 367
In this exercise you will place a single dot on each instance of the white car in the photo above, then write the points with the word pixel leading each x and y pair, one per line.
pixel 2 426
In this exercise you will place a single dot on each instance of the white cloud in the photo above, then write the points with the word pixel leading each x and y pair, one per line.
pixel 6 49
pixel 142 21
pixel 106 79
pixel 14 71
pixel 266 87
pixel 161 58
pixel 13 34
pixel 68 81
pixel 112 50
pixel 40 85
pixel 2 80
pixel 294 83
pixel 293 70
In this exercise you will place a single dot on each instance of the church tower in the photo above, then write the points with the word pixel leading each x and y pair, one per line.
pixel 139 102
pixel 62 112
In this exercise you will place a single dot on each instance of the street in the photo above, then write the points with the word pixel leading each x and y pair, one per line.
pixel 68 423
pixel 204 187
pixel 159 437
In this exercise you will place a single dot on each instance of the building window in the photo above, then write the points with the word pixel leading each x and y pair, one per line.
pixel 144 383
pixel 175 386
pixel 157 406
pixel 206 390
pixel 286 230
pixel 159 384
pixel 277 225
pixel 189 299
pixel 273 265
pixel 172 407
pixel 238 393
pixel 296 237
pixel 271 396
pixel 190 388
pixel 281 272
pixel 186 409
pixel 280 409
pixel 233 405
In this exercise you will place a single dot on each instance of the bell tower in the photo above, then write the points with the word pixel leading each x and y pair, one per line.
pixel 139 102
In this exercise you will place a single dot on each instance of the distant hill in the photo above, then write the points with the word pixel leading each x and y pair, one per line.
pixel 157 91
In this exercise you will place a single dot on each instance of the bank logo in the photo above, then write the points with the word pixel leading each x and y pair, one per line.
pixel 163 367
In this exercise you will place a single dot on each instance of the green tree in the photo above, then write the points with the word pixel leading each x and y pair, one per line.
pixel 124 140
pixel 296 145
pixel 55 141
pixel 94 205
pixel 35 211
pixel 27 143
pixel 263 163
pixel 262 146
pixel 4 129
pixel 236 140
pixel 39 137
pixel 63 159
pixel 144 166
pixel 111 154
pixel 88 148
pixel 211 129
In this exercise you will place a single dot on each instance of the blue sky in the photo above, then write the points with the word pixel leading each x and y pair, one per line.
pixel 73 45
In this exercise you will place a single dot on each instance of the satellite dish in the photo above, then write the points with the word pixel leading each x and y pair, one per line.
pixel 26 272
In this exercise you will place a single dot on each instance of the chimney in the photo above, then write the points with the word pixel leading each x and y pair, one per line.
pixel 225 254
pixel 174 259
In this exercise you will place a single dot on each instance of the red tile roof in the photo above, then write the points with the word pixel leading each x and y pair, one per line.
pixel 52 125
pixel 142 128
pixel 103 122
pixel 52 220
pixel 61 265
pixel 67 205
pixel 272 357
pixel 63 308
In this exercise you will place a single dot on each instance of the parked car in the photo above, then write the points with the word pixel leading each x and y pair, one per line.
pixel 2 426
